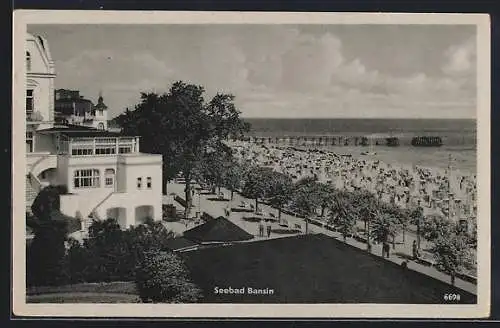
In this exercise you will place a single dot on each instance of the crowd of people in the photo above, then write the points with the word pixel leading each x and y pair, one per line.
pixel 444 192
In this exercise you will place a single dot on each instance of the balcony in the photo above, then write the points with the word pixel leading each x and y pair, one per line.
pixel 98 146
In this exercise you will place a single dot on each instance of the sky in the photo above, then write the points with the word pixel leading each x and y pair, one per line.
pixel 277 71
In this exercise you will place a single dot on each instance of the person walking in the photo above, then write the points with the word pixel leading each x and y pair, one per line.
pixel 385 249
pixel 268 229
pixel 261 229
pixel 415 251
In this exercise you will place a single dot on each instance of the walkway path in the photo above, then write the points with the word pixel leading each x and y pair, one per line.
pixel 216 209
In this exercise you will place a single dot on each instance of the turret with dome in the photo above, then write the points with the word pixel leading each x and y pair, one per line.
pixel 101 113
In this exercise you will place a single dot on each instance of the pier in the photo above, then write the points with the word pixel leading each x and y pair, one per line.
pixel 324 140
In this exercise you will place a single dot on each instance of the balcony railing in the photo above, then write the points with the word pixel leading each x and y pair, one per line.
pixel 99 146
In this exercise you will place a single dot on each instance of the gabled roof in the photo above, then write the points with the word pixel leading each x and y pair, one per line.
pixel 217 230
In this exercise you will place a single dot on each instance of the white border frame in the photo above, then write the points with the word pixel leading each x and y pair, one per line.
pixel 481 309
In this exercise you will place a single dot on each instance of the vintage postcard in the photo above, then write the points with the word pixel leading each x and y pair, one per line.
pixel 251 165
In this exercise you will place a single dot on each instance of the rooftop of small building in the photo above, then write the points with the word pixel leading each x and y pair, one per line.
pixel 74 131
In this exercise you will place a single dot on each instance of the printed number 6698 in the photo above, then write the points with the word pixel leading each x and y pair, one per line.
pixel 451 297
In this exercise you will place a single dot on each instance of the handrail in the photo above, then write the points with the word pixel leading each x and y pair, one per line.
pixel 38 184
pixel 102 202
pixel 38 161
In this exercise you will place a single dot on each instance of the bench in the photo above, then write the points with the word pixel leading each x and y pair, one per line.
pixel 467 277
pixel 426 262
pixel 360 239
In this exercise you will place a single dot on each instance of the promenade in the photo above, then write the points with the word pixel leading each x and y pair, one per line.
pixel 205 203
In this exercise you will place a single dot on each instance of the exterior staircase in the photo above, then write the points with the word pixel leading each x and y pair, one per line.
pixel 31 194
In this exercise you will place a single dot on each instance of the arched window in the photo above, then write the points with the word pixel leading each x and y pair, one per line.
pixel 28 61
pixel 100 126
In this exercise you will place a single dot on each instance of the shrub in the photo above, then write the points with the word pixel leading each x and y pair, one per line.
pixel 45 258
pixel 111 254
pixel 162 277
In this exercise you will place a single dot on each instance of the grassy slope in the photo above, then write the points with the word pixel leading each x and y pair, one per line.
pixel 311 269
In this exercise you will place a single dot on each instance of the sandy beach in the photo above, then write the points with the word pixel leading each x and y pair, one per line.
pixel 436 189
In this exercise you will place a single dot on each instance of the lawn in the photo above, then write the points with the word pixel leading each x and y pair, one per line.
pixel 113 292
pixel 311 269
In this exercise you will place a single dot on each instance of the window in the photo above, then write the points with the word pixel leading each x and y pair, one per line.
pixel 82 151
pixel 29 142
pixel 28 61
pixel 139 183
pixel 148 182
pixel 100 126
pixel 105 150
pixel 109 181
pixel 109 177
pixel 89 178
pixel 125 150
pixel 29 102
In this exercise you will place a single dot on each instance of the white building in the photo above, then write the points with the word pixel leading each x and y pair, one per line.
pixel 105 174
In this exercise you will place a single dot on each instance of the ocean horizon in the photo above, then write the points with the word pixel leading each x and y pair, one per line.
pixel 361 125
pixel 458 135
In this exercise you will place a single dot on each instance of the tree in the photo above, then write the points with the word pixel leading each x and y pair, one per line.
pixel 47 201
pixel 233 178
pixel 45 263
pixel 305 200
pixel 342 214
pixel 325 194
pixel 452 254
pixel 257 183
pixel 78 259
pixel 111 254
pixel 214 165
pixel 404 221
pixel 416 216
pixel 436 226
pixel 151 235
pixel 384 226
pixel 397 219
pixel 162 277
pixel 182 127
pixel 367 207
pixel 46 254
pixel 280 191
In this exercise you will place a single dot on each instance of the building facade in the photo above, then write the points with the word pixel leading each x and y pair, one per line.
pixel 104 172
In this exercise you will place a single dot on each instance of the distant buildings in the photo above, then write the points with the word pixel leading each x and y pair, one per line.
pixel 67 143
pixel 72 108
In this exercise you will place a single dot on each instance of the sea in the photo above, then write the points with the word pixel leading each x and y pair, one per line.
pixel 458 135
